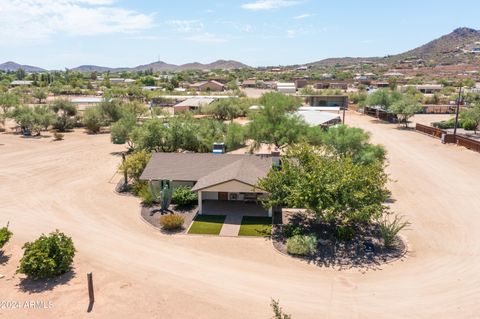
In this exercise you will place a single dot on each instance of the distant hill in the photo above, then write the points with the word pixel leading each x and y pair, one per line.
pixel 163 66
pixel 452 48
pixel 448 49
pixel 12 66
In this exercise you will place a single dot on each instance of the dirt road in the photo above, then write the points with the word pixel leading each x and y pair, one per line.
pixel 141 273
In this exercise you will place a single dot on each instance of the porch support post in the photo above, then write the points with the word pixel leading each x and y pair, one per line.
pixel 200 202
pixel 270 212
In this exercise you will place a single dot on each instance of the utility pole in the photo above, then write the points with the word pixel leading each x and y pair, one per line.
pixel 456 114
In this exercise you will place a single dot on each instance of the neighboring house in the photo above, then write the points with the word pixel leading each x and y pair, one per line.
pixel 318 118
pixel 286 88
pixel 212 86
pixel 338 86
pixel 191 104
pixel 215 177
pixel 251 83
pixel 301 83
pixel 327 100
pixel 21 83
pixel 83 103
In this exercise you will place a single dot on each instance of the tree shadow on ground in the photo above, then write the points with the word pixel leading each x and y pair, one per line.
pixel 364 251
pixel 35 286
pixel 4 258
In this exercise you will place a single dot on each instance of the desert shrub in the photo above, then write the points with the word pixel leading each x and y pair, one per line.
pixel 171 222
pixel 345 233
pixel 278 311
pixel 184 196
pixel 290 230
pixel 58 136
pixel 93 120
pixel 146 194
pixel 5 235
pixel 469 125
pixel 48 256
pixel 302 245
pixel 390 228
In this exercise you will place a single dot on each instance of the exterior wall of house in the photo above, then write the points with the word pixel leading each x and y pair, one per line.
pixel 210 87
pixel 210 195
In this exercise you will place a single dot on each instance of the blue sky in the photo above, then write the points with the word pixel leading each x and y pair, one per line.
pixel 55 34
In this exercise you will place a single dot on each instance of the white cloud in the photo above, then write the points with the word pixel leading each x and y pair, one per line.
pixel 302 16
pixel 268 4
pixel 34 20
pixel 205 38
pixel 291 33
pixel 185 26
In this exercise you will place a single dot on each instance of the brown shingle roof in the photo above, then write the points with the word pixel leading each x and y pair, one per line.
pixel 206 169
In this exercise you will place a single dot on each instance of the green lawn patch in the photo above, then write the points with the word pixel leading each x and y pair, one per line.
pixel 207 224
pixel 255 226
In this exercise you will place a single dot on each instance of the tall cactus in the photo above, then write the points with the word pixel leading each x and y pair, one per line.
pixel 162 192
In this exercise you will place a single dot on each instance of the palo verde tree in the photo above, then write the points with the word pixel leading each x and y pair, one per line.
pixel 274 123
pixel 405 108
pixel 333 187
pixel 351 142
pixel 65 111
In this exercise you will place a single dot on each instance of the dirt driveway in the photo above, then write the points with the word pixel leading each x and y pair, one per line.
pixel 141 273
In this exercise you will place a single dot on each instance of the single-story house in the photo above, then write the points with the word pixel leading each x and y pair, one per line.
pixel 213 86
pixel 250 83
pixel 215 177
pixel 286 88
pixel 191 104
pixel 21 83
pixel 327 100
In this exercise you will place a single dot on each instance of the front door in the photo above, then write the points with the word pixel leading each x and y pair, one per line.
pixel 222 196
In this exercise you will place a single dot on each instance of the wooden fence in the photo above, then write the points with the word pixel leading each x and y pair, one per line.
pixel 433 131
pixel 469 143
pixel 446 137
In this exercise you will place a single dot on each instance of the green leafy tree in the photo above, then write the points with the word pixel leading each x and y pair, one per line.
pixel 472 114
pixel 235 136
pixel 405 108
pixel 65 112
pixel 383 98
pixel 5 235
pixel 121 130
pixel 48 256
pixel 93 119
pixel 7 102
pixel 349 141
pixel 272 124
pixel 40 94
pixel 223 109
pixel 135 163
pixel 333 187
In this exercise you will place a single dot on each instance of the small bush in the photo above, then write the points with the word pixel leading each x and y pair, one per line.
pixel 171 222
pixel 184 196
pixel 290 230
pixel 48 256
pixel 469 125
pixel 345 233
pixel 93 120
pixel 58 136
pixel 5 235
pixel 302 245
pixel 390 228
pixel 146 194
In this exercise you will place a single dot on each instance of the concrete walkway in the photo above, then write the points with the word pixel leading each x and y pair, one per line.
pixel 231 226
